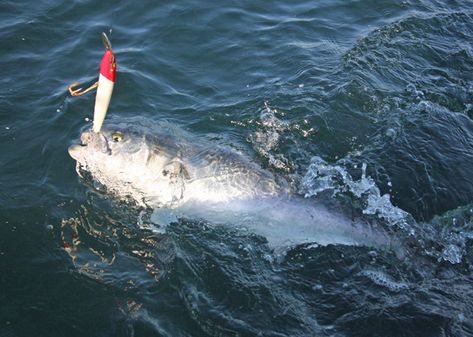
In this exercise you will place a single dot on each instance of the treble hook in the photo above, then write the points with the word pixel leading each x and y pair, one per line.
pixel 80 92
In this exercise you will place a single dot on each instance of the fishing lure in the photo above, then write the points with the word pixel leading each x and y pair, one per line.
pixel 104 85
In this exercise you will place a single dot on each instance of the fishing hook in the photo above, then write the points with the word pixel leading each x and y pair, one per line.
pixel 80 92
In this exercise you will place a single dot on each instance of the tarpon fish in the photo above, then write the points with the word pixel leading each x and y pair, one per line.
pixel 164 168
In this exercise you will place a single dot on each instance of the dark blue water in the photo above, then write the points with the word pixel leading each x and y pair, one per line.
pixel 365 104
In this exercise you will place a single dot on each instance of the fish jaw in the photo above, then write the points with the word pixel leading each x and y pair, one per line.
pixel 89 141
pixel 75 151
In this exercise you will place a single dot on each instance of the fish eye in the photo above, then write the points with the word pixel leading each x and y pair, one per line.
pixel 117 137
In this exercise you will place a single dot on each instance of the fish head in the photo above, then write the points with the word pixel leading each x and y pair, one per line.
pixel 129 158
pixel 98 148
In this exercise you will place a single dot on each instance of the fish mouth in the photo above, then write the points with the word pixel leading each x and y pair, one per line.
pixel 96 141
pixel 75 151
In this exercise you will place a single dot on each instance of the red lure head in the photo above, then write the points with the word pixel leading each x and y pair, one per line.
pixel 108 66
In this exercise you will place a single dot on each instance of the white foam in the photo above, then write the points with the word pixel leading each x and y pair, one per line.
pixel 384 280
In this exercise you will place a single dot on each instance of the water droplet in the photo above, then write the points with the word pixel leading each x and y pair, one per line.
pixel 452 254
pixel 317 287
pixel 391 133
pixel 372 253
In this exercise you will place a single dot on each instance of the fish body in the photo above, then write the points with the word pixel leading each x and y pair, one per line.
pixel 178 175
pixel 161 167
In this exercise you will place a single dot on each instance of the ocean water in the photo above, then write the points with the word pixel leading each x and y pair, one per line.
pixel 366 105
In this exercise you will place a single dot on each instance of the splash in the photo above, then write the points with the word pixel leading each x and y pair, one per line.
pixel 322 176
pixel 266 139
pixel 445 238
pixel 455 230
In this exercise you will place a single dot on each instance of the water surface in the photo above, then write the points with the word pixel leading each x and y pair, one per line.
pixel 364 104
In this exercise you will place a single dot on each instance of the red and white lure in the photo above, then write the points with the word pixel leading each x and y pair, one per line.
pixel 105 84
